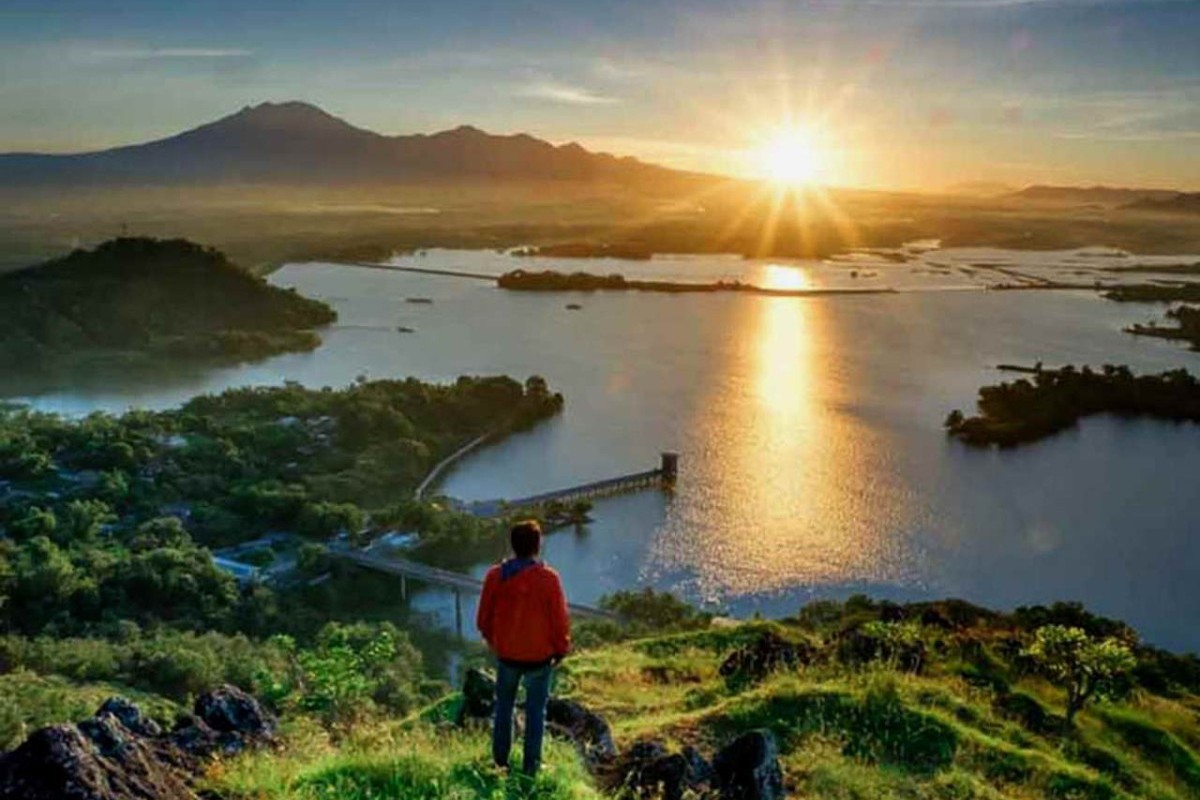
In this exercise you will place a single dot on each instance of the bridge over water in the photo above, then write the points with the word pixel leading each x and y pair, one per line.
pixel 457 582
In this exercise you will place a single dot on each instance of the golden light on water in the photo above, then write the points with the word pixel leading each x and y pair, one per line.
pixel 785 278
pixel 785 465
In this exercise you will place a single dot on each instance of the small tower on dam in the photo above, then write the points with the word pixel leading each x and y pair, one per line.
pixel 669 467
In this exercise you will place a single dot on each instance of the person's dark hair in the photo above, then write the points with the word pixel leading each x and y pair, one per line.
pixel 526 538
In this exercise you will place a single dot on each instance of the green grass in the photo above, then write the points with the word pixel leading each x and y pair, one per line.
pixel 844 732
pixel 391 761
pixel 29 701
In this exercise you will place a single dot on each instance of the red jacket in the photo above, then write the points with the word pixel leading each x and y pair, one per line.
pixel 523 612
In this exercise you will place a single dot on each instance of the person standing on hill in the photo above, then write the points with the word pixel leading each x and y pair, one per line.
pixel 523 618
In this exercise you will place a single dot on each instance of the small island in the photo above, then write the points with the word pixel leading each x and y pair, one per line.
pixel 133 300
pixel 1186 327
pixel 551 281
pixel 1155 293
pixel 1023 411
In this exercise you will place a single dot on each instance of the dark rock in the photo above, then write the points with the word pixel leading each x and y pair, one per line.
pixel 479 696
pixel 934 618
pixel 648 770
pixel 892 612
pixel 108 762
pixel 767 653
pixel 699 771
pixel 748 768
pixel 589 731
pixel 130 716
pixel 120 754
pixel 230 710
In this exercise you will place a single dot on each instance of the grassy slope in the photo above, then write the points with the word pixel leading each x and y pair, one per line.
pixel 29 700
pixel 845 733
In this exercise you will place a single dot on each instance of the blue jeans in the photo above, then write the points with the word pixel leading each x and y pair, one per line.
pixel 537 693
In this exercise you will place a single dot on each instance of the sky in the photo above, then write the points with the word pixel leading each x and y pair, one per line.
pixel 920 94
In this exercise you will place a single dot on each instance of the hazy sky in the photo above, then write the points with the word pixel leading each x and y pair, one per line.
pixel 907 93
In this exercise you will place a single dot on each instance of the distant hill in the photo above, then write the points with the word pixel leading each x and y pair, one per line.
pixel 1099 195
pixel 1185 203
pixel 296 143
pixel 132 298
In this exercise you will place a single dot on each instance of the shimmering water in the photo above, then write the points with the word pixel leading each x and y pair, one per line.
pixel 813 460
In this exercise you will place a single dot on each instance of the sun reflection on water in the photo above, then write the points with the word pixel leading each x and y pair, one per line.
pixel 785 278
pixel 804 482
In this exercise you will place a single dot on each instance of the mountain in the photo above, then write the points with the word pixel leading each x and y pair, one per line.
pixel 1184 203
pixel 1099 195
pixel 297 143
pixel 133 298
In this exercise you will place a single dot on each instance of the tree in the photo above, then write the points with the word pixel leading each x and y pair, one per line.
pixel 1083 666
pixel 83 520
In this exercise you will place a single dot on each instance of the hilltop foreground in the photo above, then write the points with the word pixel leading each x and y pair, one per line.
pixel 854 700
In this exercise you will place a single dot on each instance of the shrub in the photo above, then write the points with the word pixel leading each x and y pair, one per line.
pixel 1083 666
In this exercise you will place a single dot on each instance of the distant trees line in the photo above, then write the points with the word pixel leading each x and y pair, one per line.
pixel 1021 411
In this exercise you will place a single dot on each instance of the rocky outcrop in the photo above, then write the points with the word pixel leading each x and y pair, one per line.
pixel 478 696
pixel 769 652
pixel 589 731
pixel 748 768
pixel 121 754
pixel 647 769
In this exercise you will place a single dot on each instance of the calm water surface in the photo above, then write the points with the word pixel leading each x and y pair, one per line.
pixel 813 460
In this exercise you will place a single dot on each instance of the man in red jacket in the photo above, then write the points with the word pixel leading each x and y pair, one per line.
pixel 523 618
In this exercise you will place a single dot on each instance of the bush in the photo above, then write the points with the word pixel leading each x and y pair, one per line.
pixel 1082 666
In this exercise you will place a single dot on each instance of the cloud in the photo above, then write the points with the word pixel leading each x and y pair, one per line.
pixel 569 95
pixel 149 53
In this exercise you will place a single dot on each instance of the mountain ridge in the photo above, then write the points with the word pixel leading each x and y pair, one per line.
pixel 294 142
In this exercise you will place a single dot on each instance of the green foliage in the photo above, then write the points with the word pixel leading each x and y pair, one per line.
pixel 163 298
pixel 174 665
pixel 350 672
pixel 1081 665
pixel 1157 744
pixel 877 726
pixel 1024 411
pixel 114 529
pixel 648 611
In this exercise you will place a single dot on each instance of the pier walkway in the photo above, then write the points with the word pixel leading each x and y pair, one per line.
pixel 454 273
pixel 664 475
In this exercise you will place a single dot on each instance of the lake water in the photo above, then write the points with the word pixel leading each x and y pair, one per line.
pixel 813 463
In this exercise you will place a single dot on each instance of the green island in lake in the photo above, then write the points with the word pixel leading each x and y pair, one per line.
pixel 550 281
pixel 135 300
pixel 1024 411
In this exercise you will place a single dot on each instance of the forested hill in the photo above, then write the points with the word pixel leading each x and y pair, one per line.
pixel 134 296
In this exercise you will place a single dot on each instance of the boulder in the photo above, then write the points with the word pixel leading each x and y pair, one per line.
pixel 748 768
pixel 589 731
pixel 479 696
pixel 647 769
pixel 121 754
pixel 130 716
pixel 230 710
pixel 764 655
pixel 101 760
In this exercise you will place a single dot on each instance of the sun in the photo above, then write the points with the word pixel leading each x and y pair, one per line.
pixel 792 157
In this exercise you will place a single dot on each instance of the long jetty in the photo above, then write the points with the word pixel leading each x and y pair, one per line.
pixel 664 475
pixel 454 273
pixel 457 582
